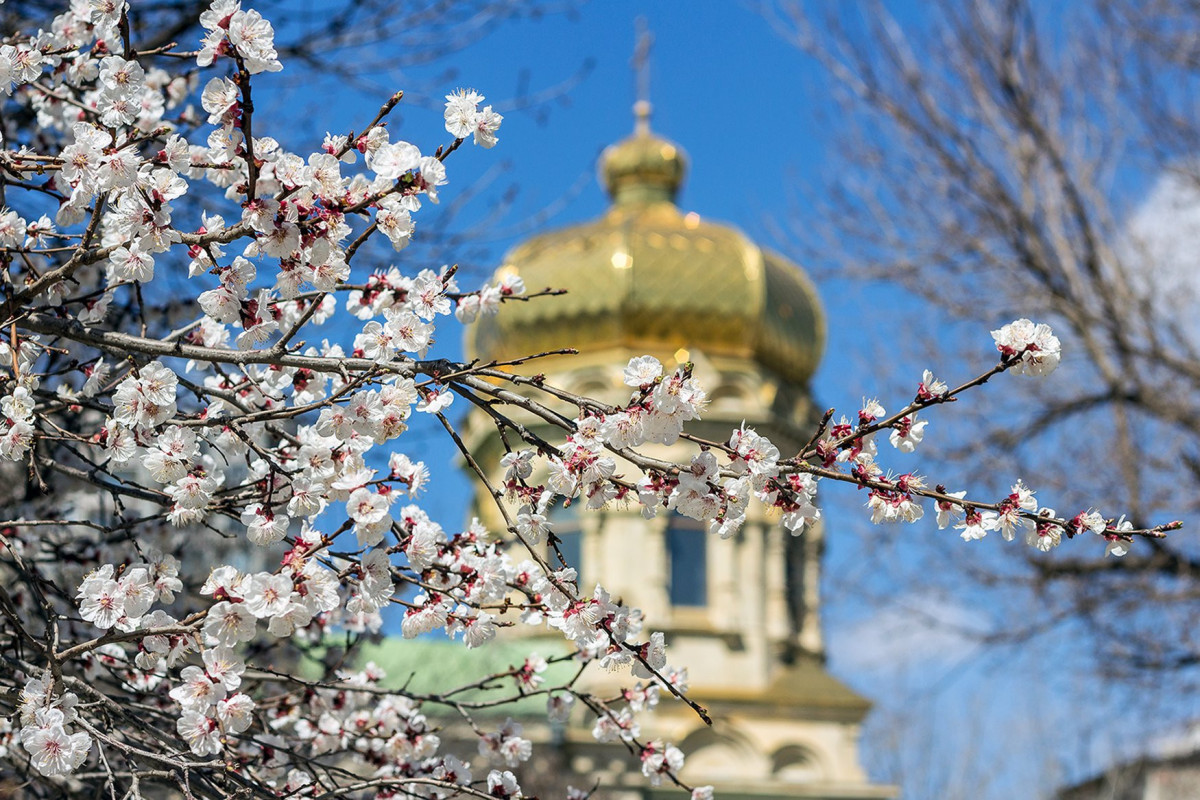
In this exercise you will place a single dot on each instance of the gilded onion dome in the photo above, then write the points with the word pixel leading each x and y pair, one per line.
pixel 649 276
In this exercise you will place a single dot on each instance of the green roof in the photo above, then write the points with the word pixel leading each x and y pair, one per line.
pixel 429 666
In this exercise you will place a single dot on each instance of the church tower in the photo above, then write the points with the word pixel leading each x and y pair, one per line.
pixel 743 614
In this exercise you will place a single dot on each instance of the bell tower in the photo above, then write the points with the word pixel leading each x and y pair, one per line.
pixel 743 614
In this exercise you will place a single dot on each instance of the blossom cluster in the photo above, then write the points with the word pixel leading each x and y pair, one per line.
pixel 121 602
pixel 1035 348
pixel 17 432
pixel 45 717
pixel 465 118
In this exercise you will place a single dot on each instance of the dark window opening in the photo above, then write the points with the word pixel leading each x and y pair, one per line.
pixel 565 522
pixel 687 556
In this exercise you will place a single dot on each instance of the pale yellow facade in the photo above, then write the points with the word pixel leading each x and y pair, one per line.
pixel 744 617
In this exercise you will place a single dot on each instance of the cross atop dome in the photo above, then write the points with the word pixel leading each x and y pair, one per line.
pixel 643 168
pixel 640 61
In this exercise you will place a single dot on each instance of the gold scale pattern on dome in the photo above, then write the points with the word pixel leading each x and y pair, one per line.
pixel 647 277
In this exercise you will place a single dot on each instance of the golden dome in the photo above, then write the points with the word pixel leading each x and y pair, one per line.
pixel 646 276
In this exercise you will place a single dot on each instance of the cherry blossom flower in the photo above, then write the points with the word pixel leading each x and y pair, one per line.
pixel 503 785
pixel 147 399
pixel 461 111
pixel 394 159
pixel 506 744
pixel 254 39
pixel 464 118
pixel 478 628
pixel 264 526
pixel 52 750
pixel 228 623
pixel 1037 349
pixel 558 707
pixel 1118 541
pixel 907 433
pixel 948 511
pixel 201 732
pixel 620 726
pixel 977 524
pixel 197 690
pixel 267 595
pixel 102 602
pixel 658 758
pixel 930 388
pixel 235 713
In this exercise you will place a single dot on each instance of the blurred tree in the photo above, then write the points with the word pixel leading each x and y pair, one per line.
pixel 1006 158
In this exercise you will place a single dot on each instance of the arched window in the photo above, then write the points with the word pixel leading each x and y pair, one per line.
pixel 687 560
pixel 796 764
pixel 722 755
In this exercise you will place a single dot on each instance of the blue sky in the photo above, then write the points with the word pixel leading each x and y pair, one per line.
pixel 754 116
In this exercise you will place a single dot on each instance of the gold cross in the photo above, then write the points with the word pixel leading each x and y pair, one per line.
pixel 640 62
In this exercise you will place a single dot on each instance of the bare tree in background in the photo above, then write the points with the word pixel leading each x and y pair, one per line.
pixel 1006 157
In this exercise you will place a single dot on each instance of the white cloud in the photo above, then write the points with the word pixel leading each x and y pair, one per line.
pixel 1162 243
